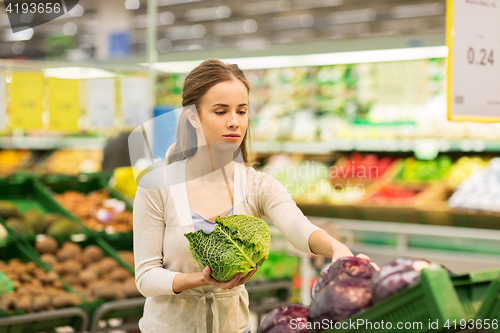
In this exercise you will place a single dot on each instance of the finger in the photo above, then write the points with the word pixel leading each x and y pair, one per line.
pixel 375 266
pixel 206 273
pixel 248 276
pixel 363 256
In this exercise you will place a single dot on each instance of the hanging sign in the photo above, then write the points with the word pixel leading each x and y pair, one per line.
pixel 102 103
pixel 473 38
pixel 64 105
pixel 26 101
pixel 134 100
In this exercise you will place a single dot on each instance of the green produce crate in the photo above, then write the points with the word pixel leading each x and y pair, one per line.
pixel 84 240
pixel 433 300
pixel 86 183
pixel 473 289
pixel 476 219
pixel 491 307
pixel 28 193
pixel 44 320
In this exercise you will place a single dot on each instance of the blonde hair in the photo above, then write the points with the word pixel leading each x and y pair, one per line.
pixel 197 83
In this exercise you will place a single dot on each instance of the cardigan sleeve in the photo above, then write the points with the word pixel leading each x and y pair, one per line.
pixel 151 278
pixel 277 204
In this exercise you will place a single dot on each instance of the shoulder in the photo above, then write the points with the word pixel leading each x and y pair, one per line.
pixel 259 179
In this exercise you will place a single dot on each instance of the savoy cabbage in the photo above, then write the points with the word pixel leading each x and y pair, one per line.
pixel 238 244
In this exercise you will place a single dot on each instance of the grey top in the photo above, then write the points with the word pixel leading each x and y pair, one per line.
pixel 201 223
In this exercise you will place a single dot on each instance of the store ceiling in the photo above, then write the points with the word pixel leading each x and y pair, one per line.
pixel 208 25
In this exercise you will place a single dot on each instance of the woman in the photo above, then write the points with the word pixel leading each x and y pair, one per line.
pixel 201 179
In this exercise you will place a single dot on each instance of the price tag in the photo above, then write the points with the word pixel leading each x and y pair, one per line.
pixel 102 104
pixel 134 100
pixel 2 102
pixel 64 105
pixel 473 38
pixel 26 101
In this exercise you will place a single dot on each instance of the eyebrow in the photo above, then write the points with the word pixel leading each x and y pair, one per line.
pixel 225 105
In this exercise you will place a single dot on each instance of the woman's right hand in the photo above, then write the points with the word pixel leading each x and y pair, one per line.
pixel 238 279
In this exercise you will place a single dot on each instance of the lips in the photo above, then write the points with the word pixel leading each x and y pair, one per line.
pixel 231 136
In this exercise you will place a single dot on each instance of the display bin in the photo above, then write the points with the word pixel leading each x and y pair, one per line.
pixel 433 299
pixel 93 161
pixel 26 192
pixel 21 322
pixel 491 307
pixel 476 219
pixel 432 206
pixel 86 183
pixel 473 289
pixel 92 239
pixel 328 210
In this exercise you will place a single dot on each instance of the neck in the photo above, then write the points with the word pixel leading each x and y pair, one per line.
pixel 206 160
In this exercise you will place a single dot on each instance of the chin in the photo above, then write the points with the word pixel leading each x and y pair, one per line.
pixel 225 146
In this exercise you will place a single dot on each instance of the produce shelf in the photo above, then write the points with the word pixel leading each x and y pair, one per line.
pixel 117 309
pixel 375 145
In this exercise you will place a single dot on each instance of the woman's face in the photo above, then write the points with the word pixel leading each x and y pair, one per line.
pixel 224 112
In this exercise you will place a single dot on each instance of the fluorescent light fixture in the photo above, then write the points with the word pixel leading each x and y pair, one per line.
pixel 77 73
pixel 173 2
pixel 9 36
pixel 306 4
pixel 353 16
pixel 208 14
pixel 237 27
pixel 266 7
pixel 186 32
pixel 426 9
pixel 339 58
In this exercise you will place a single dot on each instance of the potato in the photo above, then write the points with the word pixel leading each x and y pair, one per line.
pixel 58 267
pixel 72 267
pixel 23 303
pixel 87 276
pixel 107 264
pixel 68 251
pixel 71 279
pixel 57 284
pixel 64 299
pixel 25 277
pixel 30 267
pixel 48 278
pixel 128 256
pixel 49 259
pixel 130 289
pixel 108 292
pixel 92 253
pixel 41 302
pixel 47 244
pixel 119 274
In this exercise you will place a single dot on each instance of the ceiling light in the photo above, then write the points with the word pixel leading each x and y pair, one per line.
pixel 69 29
pixel 164 45
pixel 207 14
pixel 249 63
pixel 167 18
pixel 77 73
pixel 249 26
pixel 353 16
pixel 262 7
pixel 77 11
pixel 198 31
pixel 306 20
pixel 17 48
pixel 426 9
pixel 223 12
pixel 132 4
pixel 9 36
pixel 306 4
pixel 173 2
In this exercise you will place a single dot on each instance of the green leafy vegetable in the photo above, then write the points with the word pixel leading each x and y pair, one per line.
pixel 238 244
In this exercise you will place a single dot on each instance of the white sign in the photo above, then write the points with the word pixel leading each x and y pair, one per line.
pixel 2 102
pixel 473 32
pixel 134 100
pixel 102 103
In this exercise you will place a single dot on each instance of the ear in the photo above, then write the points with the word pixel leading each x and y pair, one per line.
pixel 193 118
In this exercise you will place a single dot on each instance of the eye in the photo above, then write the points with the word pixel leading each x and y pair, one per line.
pixel 242 111
pixel 220 112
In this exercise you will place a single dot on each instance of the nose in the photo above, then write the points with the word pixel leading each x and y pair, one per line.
pixel 233 121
